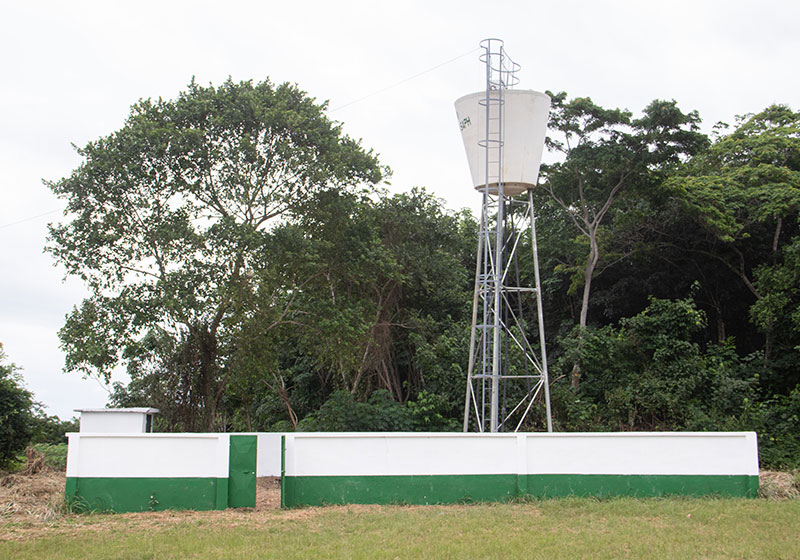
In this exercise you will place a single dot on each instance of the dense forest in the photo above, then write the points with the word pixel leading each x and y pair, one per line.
pixel 248 270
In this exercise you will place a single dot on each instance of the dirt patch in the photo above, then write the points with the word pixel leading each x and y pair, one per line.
pixel 268 493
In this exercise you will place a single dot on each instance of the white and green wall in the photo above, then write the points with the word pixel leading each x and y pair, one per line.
pixel 383 468
pixel 139 472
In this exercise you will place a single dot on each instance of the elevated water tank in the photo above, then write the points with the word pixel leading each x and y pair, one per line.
pixel 523 133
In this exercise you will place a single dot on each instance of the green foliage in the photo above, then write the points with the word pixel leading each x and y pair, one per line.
pixel 341 413
pixel 16 412
pixel 748 177
pixel 378 291
pixel 776 420
pixel 744 194
pixel 50 430
pixel 649 374
pixel 166 223
pixel 380 413
pixel 431 412
pixel 609 158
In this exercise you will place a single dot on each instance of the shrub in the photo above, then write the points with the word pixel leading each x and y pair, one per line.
pixel 16 413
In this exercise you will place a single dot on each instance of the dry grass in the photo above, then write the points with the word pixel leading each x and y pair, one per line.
pixel 35 498
pixel 775 485
pixel 33 505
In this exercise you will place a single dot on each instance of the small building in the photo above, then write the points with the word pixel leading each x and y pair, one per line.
pixel 117 420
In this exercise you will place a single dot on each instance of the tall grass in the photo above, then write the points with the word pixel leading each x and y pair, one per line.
pixel 55 455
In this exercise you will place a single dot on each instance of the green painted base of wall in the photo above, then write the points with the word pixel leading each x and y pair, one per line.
pixel 415 489
pixel 605 485
pixel 146 494
pixel 448 489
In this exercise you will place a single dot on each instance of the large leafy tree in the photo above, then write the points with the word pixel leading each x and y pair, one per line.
pixel 386 270
pixel 378 289
pixel 166 221
pixel 744 193
pixel 747 181
pixel 607 153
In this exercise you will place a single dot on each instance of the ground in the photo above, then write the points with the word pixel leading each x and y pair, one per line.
pixel 34 504
pixel 31 507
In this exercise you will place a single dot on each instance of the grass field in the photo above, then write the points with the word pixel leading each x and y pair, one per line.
pixel 568 528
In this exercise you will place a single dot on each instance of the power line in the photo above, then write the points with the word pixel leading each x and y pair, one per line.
pixel 29 218
pixel 401 82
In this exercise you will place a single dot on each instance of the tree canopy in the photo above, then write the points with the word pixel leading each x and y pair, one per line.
pixel 245 268
pixel 167 218
pixel 606 154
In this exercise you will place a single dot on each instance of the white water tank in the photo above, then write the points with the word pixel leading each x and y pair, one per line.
pixel 525 126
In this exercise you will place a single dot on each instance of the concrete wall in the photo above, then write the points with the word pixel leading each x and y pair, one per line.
pixel 445 468
pixel 136 472
pixel 148 455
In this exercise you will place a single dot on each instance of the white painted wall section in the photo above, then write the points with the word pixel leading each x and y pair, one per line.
pixel 699 453
pixel 148 455
pixel 706 453
pixel 268 456
pixel 268 462
pixel 400 454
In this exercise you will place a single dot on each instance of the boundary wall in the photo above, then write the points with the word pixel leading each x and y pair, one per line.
pixel 429 468
pixel 139 472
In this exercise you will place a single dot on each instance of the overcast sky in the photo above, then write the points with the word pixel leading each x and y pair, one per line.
pixel 69 71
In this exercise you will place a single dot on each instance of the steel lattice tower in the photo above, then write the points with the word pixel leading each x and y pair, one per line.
pixel 506 374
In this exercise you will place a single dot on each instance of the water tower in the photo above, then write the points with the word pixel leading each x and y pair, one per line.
pixel 503 131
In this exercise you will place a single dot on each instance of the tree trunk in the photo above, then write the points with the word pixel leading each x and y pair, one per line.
pixel 247 415
pixel 720 328
pixel 588 273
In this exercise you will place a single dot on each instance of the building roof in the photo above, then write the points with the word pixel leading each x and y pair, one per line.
pixel 135 410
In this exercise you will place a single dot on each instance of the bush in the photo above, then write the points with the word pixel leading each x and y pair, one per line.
pixel 650 374
pixel 341 413
pixel 16 413
pixel 51 429
pixel 777 422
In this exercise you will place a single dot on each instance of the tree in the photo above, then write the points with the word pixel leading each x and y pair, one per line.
pixel 606 153
pixel 385 270
pixel 16 412
pixel 744 193
pixel 51 429
pixel 166 222
pixel 376 284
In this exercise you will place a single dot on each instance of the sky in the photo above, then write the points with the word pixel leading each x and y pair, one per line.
pixel 390 71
